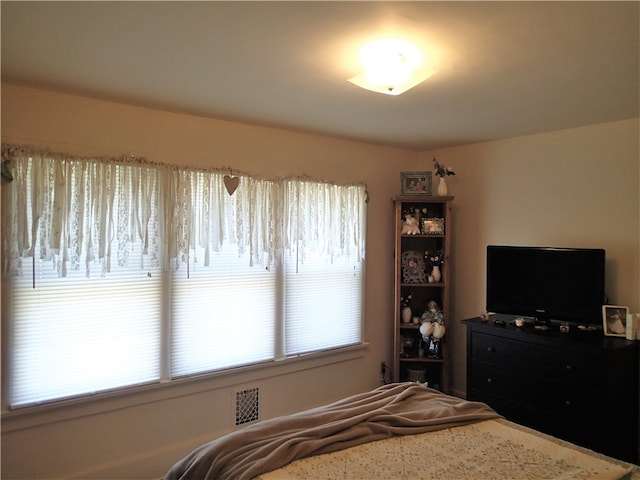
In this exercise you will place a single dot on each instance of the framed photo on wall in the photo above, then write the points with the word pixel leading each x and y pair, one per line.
pixel 614 320
pixel 415 183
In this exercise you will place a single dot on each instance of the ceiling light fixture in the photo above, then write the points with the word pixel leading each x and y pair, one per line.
pixel 391 66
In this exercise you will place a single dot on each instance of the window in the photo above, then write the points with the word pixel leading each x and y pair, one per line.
pixel 222 316
pixel 123 272
pixel 72 336
pixel 323 304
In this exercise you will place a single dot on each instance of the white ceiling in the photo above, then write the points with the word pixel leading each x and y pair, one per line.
pixel 504 68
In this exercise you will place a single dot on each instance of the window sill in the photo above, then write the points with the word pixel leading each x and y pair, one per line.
pixel 38 415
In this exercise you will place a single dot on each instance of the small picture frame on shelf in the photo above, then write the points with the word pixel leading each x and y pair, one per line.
pixel 614 320
pixel 413 267
pixel 415 183
pixel 433 226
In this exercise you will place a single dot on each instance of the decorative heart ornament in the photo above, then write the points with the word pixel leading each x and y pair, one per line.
pixel 231 183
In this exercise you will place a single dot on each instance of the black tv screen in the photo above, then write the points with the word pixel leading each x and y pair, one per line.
pixel 547 284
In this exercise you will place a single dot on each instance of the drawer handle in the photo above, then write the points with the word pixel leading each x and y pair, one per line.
pixel 567 403
pixel 491 349
pixel 568 368
pixel 489 380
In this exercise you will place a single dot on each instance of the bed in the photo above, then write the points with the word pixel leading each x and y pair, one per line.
pixel 397 431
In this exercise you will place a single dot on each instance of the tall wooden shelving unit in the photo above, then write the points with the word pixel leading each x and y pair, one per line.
pixel 410 353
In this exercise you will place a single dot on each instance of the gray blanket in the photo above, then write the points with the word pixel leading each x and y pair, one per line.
pixel 396 409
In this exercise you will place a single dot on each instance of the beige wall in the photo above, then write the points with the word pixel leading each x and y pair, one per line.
pixel 553 189
pixel 170 421
pixel 569 188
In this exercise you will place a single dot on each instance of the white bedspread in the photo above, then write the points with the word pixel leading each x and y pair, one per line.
pixel 489 450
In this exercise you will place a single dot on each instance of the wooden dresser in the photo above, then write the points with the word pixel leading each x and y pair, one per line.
pixel 579 386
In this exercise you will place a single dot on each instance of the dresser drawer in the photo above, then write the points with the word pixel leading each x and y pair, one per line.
pixel 518 387
pixel 514 354
pixel 560 400
pixel 586 370
pixel 535 359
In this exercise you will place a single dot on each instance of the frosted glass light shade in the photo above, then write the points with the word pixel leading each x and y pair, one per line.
pixel 391 66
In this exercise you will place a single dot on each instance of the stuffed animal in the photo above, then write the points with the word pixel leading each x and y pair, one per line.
pixel 410 225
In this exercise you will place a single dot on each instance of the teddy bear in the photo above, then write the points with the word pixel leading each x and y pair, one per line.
pixel 410 225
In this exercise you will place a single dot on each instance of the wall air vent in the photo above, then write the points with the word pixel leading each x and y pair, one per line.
pixel 247 405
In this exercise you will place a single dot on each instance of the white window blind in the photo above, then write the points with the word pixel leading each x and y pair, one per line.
pixel 223 316
pixel 323 304
pixel 76 336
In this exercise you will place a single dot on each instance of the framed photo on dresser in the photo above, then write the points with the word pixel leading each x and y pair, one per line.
pixel 614 320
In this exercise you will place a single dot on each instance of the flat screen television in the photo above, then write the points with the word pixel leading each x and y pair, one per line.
pixel 546 284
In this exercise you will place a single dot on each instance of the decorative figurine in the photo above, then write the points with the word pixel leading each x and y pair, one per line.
pixel 426 330
pixel 406 343
pixel 435 350
pixel 433 329
pixel 410 225
pixel 433 313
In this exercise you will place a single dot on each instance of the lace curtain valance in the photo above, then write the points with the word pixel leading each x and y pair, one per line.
pixel 86 213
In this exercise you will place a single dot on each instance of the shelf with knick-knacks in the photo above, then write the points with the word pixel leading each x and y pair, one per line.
pixel 421 296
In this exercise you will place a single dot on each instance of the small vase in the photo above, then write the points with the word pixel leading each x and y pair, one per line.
pixel 406 314
pixel 442 187
pixel 436 273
